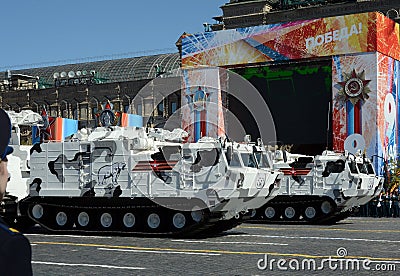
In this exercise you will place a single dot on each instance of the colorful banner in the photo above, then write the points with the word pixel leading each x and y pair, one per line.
pixel 388 36
pixel 365 91
pixel 387 124
pixel 202 113
pixel 354 92
pixel 57 130
pixel 355 33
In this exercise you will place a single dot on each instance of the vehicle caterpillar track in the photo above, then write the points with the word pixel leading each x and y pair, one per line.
pixel 111 215
pixel 321 190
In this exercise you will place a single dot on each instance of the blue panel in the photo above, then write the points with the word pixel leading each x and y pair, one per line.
pixel 197 129
pixel 135 120
pixel 70 127
pixel 350 118
pixel 35 135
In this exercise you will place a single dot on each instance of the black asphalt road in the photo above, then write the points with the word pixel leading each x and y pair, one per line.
pixel 370 246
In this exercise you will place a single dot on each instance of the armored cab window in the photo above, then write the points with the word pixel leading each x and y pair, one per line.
pixel 205 158
pixel 171 152
pixel 302 162
pixel 353 167
pixel 167 153
pixel 333 167
pixel 235 162
pixel 249 160
pixel 262 159
pixel 370 168
pixel 362 168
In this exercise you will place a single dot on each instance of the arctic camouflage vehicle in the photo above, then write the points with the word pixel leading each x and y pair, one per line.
pixel 140 181
pixel 18 165
pixel 321 189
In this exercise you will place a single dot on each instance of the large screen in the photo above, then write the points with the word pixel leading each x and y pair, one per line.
pixel 299 98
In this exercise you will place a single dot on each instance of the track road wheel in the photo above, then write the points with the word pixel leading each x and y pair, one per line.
pixel 179 220
pixel 271 213
pixel 62 220
pixel 310 213
pixel 83 220
pixel 106 220
pixel 197 215
pixel 326 207
pixel 37 211
pixel 153 221
pixel 129 220
pixel 289 213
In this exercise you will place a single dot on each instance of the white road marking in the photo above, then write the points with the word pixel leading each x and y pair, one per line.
pixel 68 236
pixel 90 265
pixel 387 262
pixel 316 238
pixel 160 251
pixel 232 242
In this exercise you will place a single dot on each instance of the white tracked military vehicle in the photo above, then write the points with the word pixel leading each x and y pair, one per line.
pixel 18 166
pixel 130 180
pixel 321 189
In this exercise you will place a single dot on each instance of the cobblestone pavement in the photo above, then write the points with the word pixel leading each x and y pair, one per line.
pixel 370 246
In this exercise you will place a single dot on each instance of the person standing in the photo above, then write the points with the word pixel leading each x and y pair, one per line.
pixel 395 199
pixel 15 249
pixel 386 200
pixel 379 205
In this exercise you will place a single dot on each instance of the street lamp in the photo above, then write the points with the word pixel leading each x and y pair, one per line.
pixel 67 109
pixel 129 103
pixel 118 100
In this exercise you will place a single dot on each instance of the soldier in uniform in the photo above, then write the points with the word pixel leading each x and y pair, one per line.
pixel 15 249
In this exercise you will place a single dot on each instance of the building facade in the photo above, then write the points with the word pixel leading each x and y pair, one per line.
pixel 78 91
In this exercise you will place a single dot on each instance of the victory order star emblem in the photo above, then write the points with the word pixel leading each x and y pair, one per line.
pixel 354 87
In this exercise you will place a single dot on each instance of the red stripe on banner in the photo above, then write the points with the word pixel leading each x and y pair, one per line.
pixel 56 129
pixel 357 118
pixel 203 124
pixel 124 120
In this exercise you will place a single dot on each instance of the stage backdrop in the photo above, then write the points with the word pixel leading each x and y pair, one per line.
pixel 355 33
pixel 365 50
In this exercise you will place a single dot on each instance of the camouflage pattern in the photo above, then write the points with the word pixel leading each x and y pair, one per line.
pixel 130 163
pixel 344 181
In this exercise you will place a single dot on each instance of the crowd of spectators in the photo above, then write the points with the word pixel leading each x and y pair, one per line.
pixel 385 205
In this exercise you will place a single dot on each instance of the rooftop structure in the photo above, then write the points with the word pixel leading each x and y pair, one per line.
pixel 107 71
pixel 242 13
